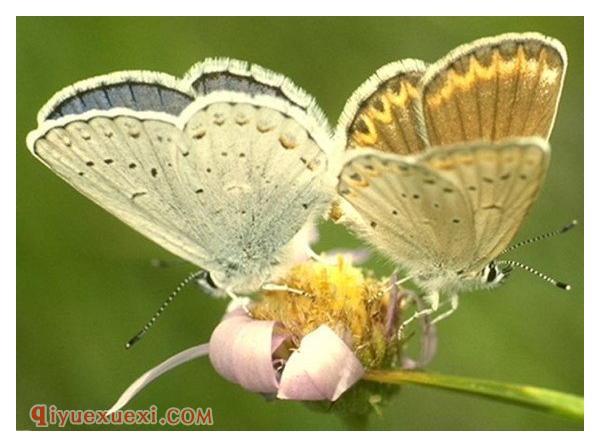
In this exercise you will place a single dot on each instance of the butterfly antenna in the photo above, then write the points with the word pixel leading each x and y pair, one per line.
pixel 163 306
pixel 541 275
pixel 541 237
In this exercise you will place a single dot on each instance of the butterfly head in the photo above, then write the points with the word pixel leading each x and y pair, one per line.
pixel 209 286
pixel 492 275
pixel 236 274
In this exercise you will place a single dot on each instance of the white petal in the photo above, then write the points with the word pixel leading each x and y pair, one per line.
pixel 157 371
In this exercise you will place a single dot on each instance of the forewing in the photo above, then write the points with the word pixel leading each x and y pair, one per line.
pixel 126 165
pixel 381 112
pixel 408 211
pixel 494 88
pixel 501 181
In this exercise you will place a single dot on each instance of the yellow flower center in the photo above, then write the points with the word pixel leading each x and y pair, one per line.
pixel 351 302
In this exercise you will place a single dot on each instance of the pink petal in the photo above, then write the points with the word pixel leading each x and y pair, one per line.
pixel 240 349
pixel 322 368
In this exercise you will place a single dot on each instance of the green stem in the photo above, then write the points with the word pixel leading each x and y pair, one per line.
pixel 539 398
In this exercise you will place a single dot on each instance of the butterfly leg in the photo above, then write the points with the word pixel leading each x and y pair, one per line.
pixel 284 288
pixel 312 254
pixel 238 301
pixel 403 280
pixel 396 284
pixel 453 306
pixel 434 301
pixel 317 257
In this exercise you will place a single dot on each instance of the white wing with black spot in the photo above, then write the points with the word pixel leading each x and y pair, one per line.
pixel 501 181
pixel 409 212
pixel 453 208
pixel 126 165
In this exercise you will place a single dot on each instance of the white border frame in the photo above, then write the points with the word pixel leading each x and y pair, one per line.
pixel 311 7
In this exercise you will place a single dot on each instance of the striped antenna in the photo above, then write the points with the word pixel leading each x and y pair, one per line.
pixel 541 237
pixel 137 337
pixel 541 275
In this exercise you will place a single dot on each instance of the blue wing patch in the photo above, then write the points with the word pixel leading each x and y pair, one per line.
pixel 133 95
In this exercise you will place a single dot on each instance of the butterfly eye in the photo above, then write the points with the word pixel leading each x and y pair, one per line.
pixel 491 274
pixel 210 281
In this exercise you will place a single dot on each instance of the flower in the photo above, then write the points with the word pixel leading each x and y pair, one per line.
pixel 311 341
pixel 261 357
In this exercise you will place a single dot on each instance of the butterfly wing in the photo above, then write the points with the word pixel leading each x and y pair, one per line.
pixel 119 163
pixel 225 171
pixel 501 181
pixel 264 176
pixel 493 88
pixel 380 113
pixel 134 90
pixel 454 207
pixel 480 94
pixel 408 211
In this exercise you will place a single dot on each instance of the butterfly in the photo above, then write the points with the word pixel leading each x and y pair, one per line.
pixel 228 167
pixel 445 161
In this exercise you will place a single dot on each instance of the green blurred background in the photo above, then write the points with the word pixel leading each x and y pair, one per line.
pixel 85 283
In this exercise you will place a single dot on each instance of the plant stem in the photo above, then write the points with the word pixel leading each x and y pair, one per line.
pixel 551 401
